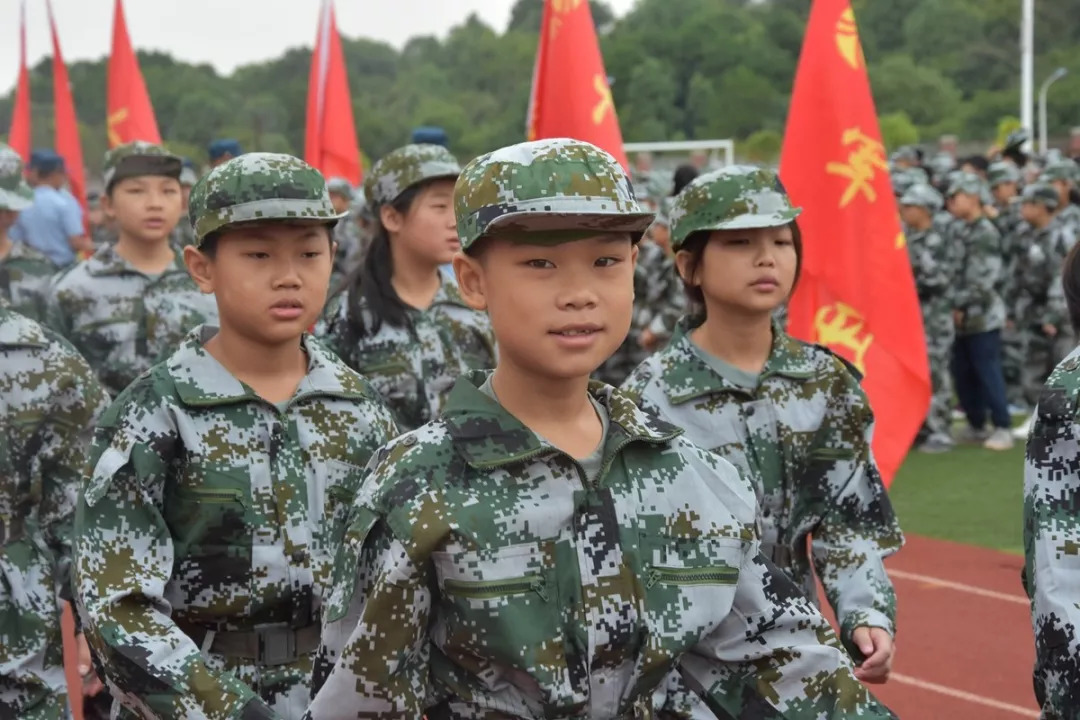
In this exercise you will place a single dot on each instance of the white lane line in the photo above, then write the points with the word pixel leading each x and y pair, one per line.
pixel 961 587
pixel 961 695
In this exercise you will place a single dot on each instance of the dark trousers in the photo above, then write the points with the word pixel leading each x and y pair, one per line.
pixel 980 382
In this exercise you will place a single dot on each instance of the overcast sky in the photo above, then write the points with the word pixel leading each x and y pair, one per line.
pixel 228 33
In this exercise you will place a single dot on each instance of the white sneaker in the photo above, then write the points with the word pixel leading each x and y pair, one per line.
pixel 1000 439
pixel 1021 431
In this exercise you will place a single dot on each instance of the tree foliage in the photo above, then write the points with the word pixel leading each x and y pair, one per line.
pixel 681 69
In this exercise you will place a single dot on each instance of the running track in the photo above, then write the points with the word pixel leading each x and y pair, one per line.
pixel 964 650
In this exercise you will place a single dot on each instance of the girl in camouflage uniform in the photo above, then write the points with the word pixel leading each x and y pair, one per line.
pixel 546 549
pixel 400 322
pixel 790 416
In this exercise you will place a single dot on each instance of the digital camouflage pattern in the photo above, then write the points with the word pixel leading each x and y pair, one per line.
pixel 979 273
pixel 15 194
pixel 546 185
pixel 802 440
pixel 49 401
pixel 483 576
pixel 139 158
pixel 258 187
pixel 1052 541
pixel 407 166
pixel 413 368
pixel 731 198
pixel 208 508
pixel 349 251
pixel 25 278
pixel 123 321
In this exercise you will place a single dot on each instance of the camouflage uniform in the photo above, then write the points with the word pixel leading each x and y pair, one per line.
pixel 49 401
pixel 1038 270
pixel 1052 542
pixel 931 264
pixel 800 434
pixel 412 367
pixel 25 273
pixel 1065 171
pixel 121 319
pixel 207 524
pixel 487 574
pixel 346 235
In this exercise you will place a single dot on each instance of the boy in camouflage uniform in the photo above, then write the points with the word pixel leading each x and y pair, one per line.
pixel 347 232
pixel 49 401
pixel 1062 176
pixel 1052 526
pixel 547 550
pixel 206 527
pixel 932 266
pixel 131 303
pixel 183 234
pixel 979 313
pixel 25 273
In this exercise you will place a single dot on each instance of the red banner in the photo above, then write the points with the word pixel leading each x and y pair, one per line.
pixel 68 144
pixel 131 116
pixel 19 133
pixel 330 142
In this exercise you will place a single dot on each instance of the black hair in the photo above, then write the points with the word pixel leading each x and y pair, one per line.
pixel 695 245
pixel 371 295
pixel 684 175
pixel 209 244
pixel 1070 280
pixel 978 162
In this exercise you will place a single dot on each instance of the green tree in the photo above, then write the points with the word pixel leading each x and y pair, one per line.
pixel 897 130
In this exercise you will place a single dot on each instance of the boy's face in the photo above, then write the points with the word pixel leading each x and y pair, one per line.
pixel 1004 192
pixel 270 280
pixel 144 208
pixel 340 202
pixel 963 205
pixel 558 310
pixel 914 215
pixel 1035 213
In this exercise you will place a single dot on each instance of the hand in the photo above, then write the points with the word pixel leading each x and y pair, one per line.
pixel 1049 330
pixel 958 317
pixel 990 211
pixel 83 243
pixel 91 684
pixel 877 647
pixel 648 339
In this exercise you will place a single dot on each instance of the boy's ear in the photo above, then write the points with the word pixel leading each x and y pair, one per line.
pixel 470 278
pixel 201 269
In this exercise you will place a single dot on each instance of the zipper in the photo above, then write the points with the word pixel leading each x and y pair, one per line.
pixel 719 575
pixel 622 446
pixel 492 589
pixel 212 496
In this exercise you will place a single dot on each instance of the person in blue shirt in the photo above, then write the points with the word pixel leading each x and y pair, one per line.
pixel 222 151
pixel 53 224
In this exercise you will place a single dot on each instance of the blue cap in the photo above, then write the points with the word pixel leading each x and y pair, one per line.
pixel 220 148
pixel 45 161
pixel 429 135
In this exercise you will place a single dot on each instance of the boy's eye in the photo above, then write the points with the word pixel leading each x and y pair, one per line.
pixel 608 261
pixel 258 255
pixel 313 254
pixel 784 241
pixel 540 263
pixel 737 241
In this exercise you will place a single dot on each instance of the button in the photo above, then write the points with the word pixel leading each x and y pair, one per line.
pixel 750 410
pixel 409 441
pixel 299 556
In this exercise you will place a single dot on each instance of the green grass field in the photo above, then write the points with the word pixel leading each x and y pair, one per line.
pixel 969 495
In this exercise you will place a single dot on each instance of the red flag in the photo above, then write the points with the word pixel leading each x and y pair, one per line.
pixel 856 294
pixel 131 116
pixel 19 132
pixel 330 142
pixel 68 145
pixel 570 93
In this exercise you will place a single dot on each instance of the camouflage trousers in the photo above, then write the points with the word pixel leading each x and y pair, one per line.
pixel 940 335
pixel 1041 354
pixel 32 681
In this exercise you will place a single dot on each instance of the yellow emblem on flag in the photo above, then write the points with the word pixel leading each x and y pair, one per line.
pixel 114 121
pixel 566 6
pixel 865 157
pixel 847 40
pixel 841 326
pixel 605 104
pixel 901 241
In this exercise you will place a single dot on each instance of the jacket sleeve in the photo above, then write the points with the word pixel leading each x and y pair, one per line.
pixel 1052 551
pixel 123 561
pixel 982 271
pixel 770 649
pixel 858 528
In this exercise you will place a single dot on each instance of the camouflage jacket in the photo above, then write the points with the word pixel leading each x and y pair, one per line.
pixel 1036 272
pixel 1069 216
pixel 1052 541
pixel 1008 220
pixel 483 576
pixel 49 401
pixel 413 368
pixel 208 507
pixel 123 321
pixel 979 275
pixel 802 439
pixel 931 266
pixel 182 235
pixel 25 277
pixel 349 250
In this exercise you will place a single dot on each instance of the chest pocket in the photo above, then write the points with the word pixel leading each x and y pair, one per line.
pixel 209 511
pixel 391 374
pixel 501 606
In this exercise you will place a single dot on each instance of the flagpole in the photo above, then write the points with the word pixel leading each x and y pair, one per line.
pixel 1027 68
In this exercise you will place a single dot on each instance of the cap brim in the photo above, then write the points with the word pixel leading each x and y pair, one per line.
pixel 636 223
pixel 15 201
pixel 749 222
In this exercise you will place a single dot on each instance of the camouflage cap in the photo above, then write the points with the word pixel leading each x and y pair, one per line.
pixel 1061 170
pixel 1016 139
pixel 15 194
pixel 942 163
pixel 923 195
pixel 340 186
pixel 1002 172
pixel 907 152
pixel 259 187
pixel 1041 193
pixel 731 198
pixel 546 185
pixel 967 183
pixel 904 178
pixel 138 159
pixel 407 166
